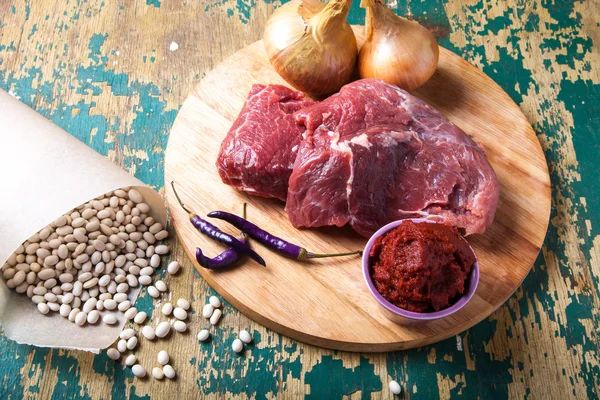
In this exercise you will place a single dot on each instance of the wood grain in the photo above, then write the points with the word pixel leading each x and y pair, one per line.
pixel 104 71
pixel 326 302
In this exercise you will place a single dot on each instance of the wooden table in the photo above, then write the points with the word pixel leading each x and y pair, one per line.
pixel 114 74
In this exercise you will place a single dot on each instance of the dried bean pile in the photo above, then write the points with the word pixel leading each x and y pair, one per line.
pixel 87 261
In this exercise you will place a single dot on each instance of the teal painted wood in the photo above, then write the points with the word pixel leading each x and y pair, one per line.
pixel 542 343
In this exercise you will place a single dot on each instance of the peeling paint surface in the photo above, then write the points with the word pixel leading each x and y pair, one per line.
pixel 106 72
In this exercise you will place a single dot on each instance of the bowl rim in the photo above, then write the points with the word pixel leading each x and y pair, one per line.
pixel 472 280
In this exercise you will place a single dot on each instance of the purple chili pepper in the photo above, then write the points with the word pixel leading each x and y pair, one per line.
pixel 213 232
pixel 281 246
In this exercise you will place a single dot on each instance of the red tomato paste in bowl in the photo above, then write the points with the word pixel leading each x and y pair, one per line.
pixel 421 267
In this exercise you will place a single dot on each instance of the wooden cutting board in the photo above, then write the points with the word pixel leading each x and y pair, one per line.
pixel 326 302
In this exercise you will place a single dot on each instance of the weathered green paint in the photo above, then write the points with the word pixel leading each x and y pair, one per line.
pixel 567 118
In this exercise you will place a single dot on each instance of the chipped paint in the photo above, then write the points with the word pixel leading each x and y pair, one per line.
pixel 105 72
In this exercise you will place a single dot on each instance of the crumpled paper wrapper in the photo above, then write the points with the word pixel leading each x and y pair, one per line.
pixel 45 172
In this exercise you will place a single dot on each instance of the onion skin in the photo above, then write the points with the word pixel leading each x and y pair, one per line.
pixel 311 45
pixel 396 50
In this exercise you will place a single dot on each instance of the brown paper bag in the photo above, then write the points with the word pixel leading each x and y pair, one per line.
pixel 44 173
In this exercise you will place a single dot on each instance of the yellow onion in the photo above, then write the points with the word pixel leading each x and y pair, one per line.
pixel 396 50
pixel 311 45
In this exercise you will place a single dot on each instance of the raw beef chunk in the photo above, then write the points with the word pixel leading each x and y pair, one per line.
pixel 258 153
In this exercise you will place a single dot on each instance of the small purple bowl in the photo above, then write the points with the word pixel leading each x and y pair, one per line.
pixel 404 317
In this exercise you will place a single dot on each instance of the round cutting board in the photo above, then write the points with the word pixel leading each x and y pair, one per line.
pixel 326 302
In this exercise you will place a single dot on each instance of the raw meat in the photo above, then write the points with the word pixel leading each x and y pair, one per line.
pixel 258 153
pixel 373 153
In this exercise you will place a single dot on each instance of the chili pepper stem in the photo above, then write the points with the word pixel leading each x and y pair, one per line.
pixel 181 202
pixel 307 255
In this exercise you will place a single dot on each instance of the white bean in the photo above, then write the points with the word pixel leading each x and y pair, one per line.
pixel 155 261
pixel 130 360
pixel 113 354
pixel 173 267
pixel 131 313
pixel 152 291
pixel 183 303
pixel 145 280
pixel 127 333
pixel 214 300
pixel 207 310
pixel 167 309
pixel 43 308
pixel 245 336
pixel 214 319
pixel 161 286
pixel 148 332
pixel 237 345
pixel 93 316
pixel 138 371
pixel 163 357
pixel 132 343
pixel 109 319
pixel 395 388
pixel 180 326
pixel 203 335
pixel 81 318
pixel 139 318
pixel 169 371
pixel 163 329
pixel 180 313
pixel 122 345
pixel 110 304
pixel 161 249
pixel 120 297
pixel 73 314
pixel 124 306
pixel 158 373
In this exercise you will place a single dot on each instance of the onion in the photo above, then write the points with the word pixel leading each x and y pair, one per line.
pixel 396 50
pixel 311 45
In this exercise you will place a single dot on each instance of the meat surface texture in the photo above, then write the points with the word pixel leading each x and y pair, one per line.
pixel 258 153
pixel 373 154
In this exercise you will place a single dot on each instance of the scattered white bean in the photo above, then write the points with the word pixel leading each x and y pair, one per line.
pixel 158 373
pixel 245 336
pixel 167 309
pixel 139 318
pixel 160 285
pixel 395 388
pixel 145 280
pixel 207 311
pixel 132 343
pixel 169 371
pixel 203 335
pixel 173 267
pixel 122 345
pixel 148 332
pixel 163 357
pixel 152 291
pixel 237 345
pixel 180 313
pixel 183 303
pixel 214 320
pixel 163 329
pixel 138 371
pixel 113 354
pixel 214 300
pixel 127 333
pixel 130 360
pixel 180 326
pixel 131 313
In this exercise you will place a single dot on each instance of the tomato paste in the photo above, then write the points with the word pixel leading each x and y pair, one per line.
pixel 421 267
